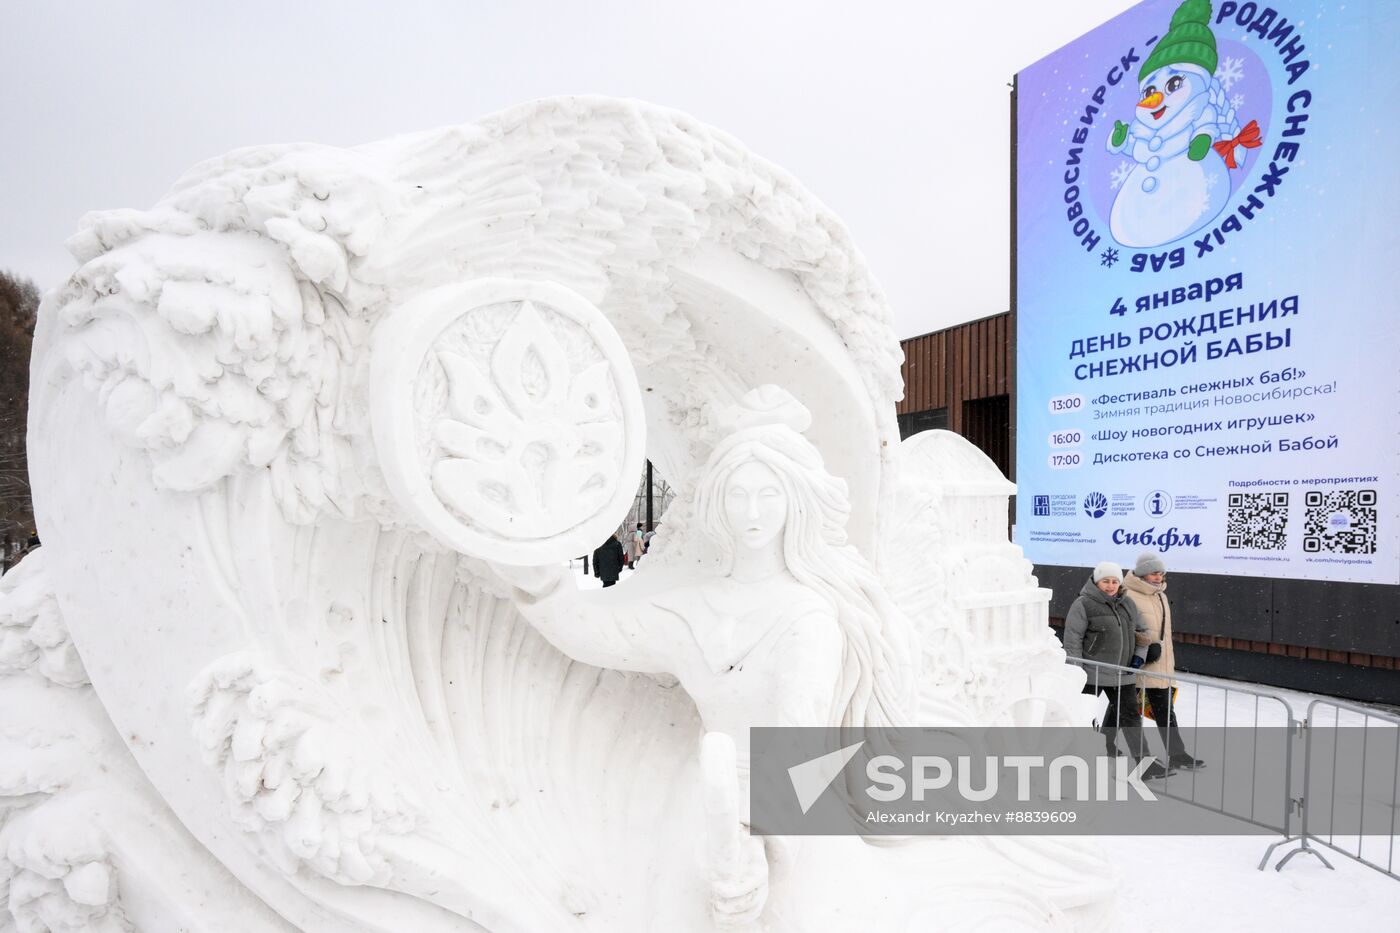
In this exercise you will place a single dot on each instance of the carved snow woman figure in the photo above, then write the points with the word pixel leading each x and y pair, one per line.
pixel 1184 136
pixel 790 629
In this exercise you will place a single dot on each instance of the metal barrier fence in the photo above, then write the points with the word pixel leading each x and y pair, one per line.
pixel 1244 708
pixel 1322 787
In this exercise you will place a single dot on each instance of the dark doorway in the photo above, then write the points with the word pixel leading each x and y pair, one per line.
pixel 987 423
pixel 917 421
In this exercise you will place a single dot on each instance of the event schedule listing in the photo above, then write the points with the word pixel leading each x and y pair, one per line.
pixel 1232 337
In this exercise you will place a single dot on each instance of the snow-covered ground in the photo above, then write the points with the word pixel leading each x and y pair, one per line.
pixel 1173 884
pixel 1226 702
pixel 1212 883
pixel 1190 883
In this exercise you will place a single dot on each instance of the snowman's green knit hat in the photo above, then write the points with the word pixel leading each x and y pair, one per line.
pixel 1189 41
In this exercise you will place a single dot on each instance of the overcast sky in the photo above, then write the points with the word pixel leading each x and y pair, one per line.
pixel 893 114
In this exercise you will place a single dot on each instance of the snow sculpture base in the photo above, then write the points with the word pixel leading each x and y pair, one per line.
pixel 293 430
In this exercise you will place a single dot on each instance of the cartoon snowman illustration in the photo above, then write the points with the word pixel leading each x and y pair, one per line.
pixel 1184 137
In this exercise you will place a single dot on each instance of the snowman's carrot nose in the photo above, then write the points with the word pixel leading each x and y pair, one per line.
pixel 1151 101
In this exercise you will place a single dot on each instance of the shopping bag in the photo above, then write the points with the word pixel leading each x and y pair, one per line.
pixel 1147 707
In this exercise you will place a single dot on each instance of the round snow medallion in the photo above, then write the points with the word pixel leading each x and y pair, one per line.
pixel 507 419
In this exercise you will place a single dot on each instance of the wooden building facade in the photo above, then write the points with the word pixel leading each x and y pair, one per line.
pixel 960 379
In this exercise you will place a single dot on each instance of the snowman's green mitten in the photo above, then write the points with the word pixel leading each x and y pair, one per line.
pixel 1120 132
pixel 1199 147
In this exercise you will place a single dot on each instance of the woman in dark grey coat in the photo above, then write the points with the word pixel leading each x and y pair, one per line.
pixel 1103 626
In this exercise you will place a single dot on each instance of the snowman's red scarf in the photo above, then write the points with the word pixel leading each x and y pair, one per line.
pixel 1249 138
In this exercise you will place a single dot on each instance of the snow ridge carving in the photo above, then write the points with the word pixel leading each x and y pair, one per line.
pixel 55 866
pixel 32 634
pixel 295 776
pixel 58 881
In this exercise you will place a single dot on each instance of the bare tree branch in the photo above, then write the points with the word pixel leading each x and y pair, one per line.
pixel 19 310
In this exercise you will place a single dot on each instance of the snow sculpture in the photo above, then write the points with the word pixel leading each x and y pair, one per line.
pixel 1184 137
pixel 306 439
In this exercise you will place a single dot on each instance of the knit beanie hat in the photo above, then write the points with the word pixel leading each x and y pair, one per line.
pixel 1189 41
pixel 1107 568
pixel 1149 562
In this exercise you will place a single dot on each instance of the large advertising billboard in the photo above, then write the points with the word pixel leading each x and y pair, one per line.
pixel 1208 292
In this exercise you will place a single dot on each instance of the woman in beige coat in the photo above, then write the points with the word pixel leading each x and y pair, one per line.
pixel 1146 586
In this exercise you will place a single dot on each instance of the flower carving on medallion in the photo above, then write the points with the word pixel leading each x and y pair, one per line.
pixel 527 442
pixel 509 419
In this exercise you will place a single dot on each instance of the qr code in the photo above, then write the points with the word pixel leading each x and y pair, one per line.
pixel 1340 522
pixel 1256 521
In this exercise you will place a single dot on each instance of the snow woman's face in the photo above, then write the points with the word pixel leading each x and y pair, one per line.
pixel 1165 93
pixel 755 504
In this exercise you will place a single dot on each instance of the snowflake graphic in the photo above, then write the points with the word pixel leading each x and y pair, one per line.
pixel 1230 72
pixel 1108 258
pixel 1119 175
pixel 1204 204
pixel 1237 102
pixel 1212 180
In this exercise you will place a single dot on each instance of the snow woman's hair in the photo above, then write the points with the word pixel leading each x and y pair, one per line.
pixel 876 687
